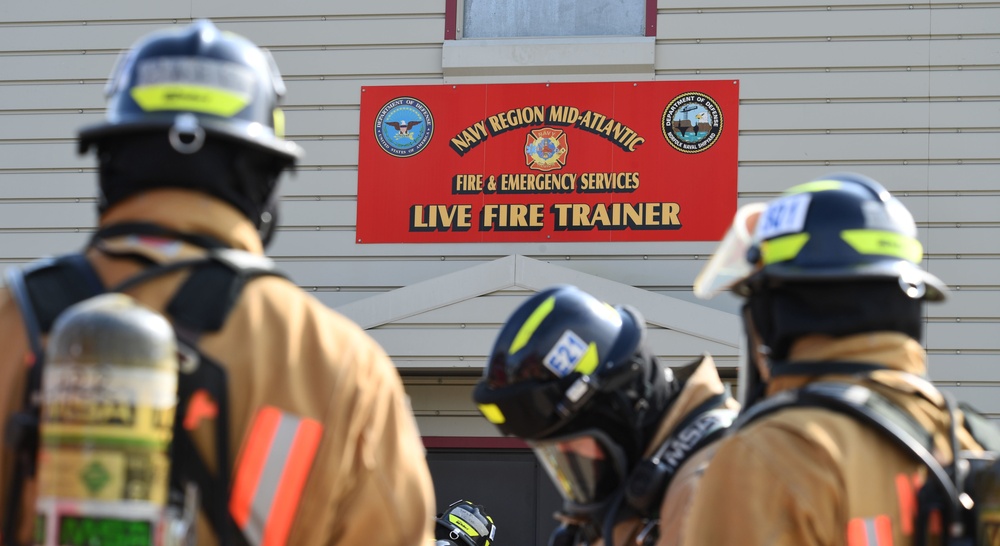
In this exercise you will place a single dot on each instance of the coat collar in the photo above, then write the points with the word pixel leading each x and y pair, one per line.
pixel 702 382
pixel 190 212
pixel 903 357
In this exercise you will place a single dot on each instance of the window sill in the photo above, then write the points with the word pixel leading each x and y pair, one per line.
pixel 527 60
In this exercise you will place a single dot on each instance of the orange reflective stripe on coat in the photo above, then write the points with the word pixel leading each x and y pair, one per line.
pixel 906 492
pixel 876 531
pixel 271 474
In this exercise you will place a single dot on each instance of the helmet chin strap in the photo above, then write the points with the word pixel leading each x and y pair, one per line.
pixel 754 372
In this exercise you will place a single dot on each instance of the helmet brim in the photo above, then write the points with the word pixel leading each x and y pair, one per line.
pixel 242 134
pixel 913 280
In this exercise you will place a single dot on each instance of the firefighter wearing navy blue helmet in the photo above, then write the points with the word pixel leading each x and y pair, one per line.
pixel 833 294
pixel 304 436
pixel 620 434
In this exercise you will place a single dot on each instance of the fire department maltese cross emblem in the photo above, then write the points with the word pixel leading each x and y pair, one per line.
pixel 545 149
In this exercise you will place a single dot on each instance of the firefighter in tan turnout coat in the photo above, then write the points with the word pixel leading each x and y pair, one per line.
pixel 623 437
pixel 323 447
pixel 832 292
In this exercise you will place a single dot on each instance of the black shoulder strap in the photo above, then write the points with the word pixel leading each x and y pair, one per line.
pixel 45 288
pixel 218 281
pixel 646 485
pixel 876 411
pixel 201 305
pixel 699 428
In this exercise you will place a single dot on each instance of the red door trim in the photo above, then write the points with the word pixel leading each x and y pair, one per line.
pixel 473 442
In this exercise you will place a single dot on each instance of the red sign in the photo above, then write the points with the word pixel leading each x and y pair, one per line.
pixel 623 161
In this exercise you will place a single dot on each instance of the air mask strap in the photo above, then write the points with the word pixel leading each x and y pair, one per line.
pixel 755 384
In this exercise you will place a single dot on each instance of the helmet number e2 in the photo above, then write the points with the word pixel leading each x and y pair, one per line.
pixel 565 354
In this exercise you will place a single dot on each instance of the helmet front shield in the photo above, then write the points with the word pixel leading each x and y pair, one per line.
pixel 729 263
pixel 585 467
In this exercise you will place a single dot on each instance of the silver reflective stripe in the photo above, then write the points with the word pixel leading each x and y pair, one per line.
pixel 274 465
pixel 871 532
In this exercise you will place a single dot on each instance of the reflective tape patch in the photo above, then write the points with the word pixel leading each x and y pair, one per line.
pixel 468 517
pixel 198 71
pixel 194 84
pixel 492 413
pixel 279 122
pixel 528 328
pixel 271 474
pixel 191 98
pixel 783 249
pixel 906 492
pixel 589 361
pixel 884 243
pixel 876 531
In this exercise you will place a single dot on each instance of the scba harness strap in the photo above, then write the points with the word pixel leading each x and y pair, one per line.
pixel 946 491
pixel 651 477
pixel 45 288
pixel 647 485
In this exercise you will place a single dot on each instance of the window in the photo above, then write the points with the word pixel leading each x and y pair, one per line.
pixel 559 40
pixel 531 18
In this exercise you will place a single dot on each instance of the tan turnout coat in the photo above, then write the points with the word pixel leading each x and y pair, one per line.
pixel 369 482
pixel 703 384
pixel 812 477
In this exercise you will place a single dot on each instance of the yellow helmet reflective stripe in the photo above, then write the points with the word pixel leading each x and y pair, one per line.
pixel 782 249
pixel 492 413
pixel 884 243
pixel 528 328
pixel 463 525
pixel 279 122
pixel 588 363
pixel 870 242
pixel 191 98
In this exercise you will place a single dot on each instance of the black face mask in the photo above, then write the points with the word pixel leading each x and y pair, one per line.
pixel 244 178
pixel 784 313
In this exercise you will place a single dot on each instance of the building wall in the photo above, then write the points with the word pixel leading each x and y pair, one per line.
pixel 905 92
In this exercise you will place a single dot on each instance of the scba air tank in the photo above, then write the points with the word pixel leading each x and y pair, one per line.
pixel 109 393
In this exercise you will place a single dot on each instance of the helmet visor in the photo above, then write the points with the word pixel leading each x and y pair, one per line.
pixel 585 467
pixel 729 263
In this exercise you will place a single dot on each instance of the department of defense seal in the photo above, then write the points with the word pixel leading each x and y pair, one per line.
pixel 404 126
pixel 691 122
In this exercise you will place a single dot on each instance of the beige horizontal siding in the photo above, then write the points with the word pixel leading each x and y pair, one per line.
pixel 942 217
pixel 904 92
pixel 872 117
pixel 28 12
